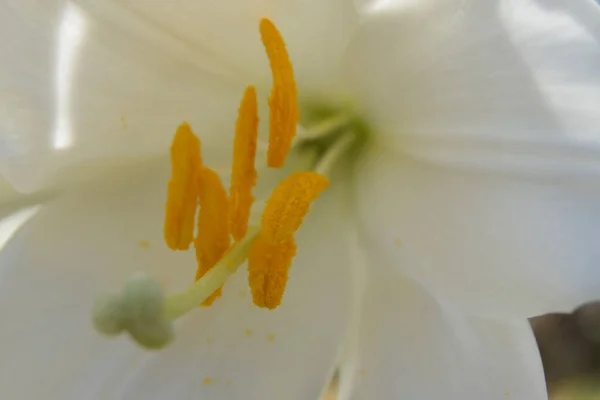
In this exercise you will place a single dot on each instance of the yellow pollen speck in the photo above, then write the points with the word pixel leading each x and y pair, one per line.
pixel 228 382
pixel 207 381
pixel 248 332
pixel 271 337
pixel 283 102
pixel 209 340
pixel 182 192
pixel 363 372
pixel 243 171
pixel 398 242
pixel 507 394
pixel 242 293
pixel 123 122
pixel 212 240
pixel 271 255
pixel 144 244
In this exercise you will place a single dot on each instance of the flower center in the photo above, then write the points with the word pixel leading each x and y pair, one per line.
pixel 194 190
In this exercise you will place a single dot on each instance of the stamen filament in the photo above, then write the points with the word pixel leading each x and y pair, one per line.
pixel 327 126
pixel 339 148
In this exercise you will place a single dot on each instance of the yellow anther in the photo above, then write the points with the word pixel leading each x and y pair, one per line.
pixel 182 192
pixel 289 203
pixel 243 172
pixel 271 256
pixel 213 225
pixel 268 267
pixel 283 102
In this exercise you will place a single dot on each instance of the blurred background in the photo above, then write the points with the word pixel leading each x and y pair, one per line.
pixel 570 349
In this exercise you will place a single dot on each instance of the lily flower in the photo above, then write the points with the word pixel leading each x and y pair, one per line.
pixel 401 186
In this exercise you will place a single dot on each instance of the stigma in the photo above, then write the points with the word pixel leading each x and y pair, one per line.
pixel 216 220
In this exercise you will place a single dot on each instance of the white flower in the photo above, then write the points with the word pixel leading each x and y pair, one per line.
pixel 476 206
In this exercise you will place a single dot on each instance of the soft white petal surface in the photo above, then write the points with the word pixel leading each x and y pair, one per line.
pixel 89 83
pixel 316 33
pixel 410 348
pixel 494 244
pixel 86 244
pixel 7 192
pixel 110 81
pixel 483 83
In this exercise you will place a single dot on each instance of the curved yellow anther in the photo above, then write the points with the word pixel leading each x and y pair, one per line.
pixel 243 171
pixel 182 192
pixel 272 254
pixel 289 203
pixel 283 101
pixel 213 225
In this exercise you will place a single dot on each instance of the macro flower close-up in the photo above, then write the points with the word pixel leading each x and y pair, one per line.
pixel 234 199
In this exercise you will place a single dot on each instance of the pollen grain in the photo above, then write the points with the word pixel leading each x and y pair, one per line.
pixel 207 381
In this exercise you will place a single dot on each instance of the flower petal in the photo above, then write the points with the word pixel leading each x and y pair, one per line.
pixel 495 244
pixel 86 244
pixel 90 82
pixel 7 193
pixel 487 84
pixel 316 33
pixel 409 347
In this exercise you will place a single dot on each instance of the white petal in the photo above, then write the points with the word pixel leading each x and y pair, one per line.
pixel 7 192
pixel 85 81
pixel 410 348
pixel 491 243
pixel 496 84
pixel 87 244
pixel 316 33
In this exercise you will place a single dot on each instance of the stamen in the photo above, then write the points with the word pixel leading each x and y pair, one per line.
pixel 268 267
pixel 213 226
pixel 182 192
pixel 289 203
pixel 272 254
pixel 142 309
pixel 243 172
pixel 339 148
pixel 283 101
